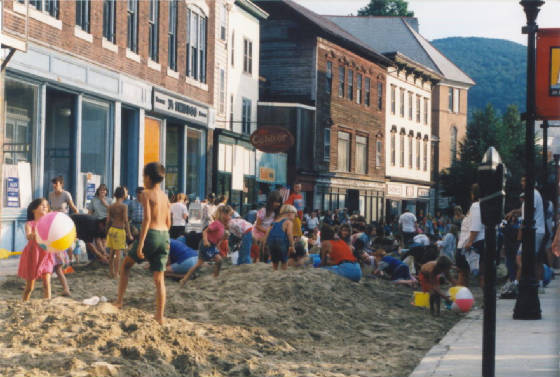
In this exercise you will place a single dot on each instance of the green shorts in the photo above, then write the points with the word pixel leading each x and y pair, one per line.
pixel 156 249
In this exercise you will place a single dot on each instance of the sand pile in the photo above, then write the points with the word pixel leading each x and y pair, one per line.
pixel 248 322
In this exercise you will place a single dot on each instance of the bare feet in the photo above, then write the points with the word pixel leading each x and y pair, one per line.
pixel 66 294
pixel 117 304
pixel 182 283
pixel 159 320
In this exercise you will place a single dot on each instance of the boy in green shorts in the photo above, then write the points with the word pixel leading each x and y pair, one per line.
pixel 153 242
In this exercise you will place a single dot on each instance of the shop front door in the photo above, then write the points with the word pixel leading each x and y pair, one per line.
pixel 353 200
pixel 152 134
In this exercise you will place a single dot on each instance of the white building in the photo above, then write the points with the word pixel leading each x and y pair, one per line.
pixel 236 98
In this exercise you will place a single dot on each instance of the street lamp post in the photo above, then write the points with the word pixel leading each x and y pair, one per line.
pixel 528 305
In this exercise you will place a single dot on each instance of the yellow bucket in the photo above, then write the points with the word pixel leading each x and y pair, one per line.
pixel 421 299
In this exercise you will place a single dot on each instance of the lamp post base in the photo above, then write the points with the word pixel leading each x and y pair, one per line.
pixel 528 305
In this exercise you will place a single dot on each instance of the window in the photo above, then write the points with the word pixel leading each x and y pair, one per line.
pixel 222 104
pixel 455 100
pixel 379 95
pixel 458 102
pixel 401 145
pixel 231 112
pixel 343 163
pixel 172 36
pixel 425 111
pixel 393 148
pixel 132 25
pixel 247 56
pixel 402 103
pixel 350 85
pixel 453 143
pixel 410 103
pixel 327 144
pixel 378 155
pixel 109 12
pixel 410 156
pixel 425 154
pixel 223 22
pixel 196 46
pixel 418 152
pixel 361 154
pixel 153 27
pixel 418 108
pixel 329 77
pixel 393 99
pixel 246 116
pixel 82 14
pixel 233 48
pixel 367 98
pixel 359 89
pixel 49 6
pixel 450 99
pixel 341 74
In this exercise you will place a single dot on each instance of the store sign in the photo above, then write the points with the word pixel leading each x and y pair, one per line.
pixel 423 192
pixel 272 139
pixel 179 108
pixel 394 189
pixel 12 192
pixel 267 174
pixel 548 74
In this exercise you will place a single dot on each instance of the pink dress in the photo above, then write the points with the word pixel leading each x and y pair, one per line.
pixel 34 262
pixel 266 222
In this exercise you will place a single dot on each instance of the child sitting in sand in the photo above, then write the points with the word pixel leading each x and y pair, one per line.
pixel 280 237
pixel 393 268
pixel 35 262
pixel 117 217
pixel 337 257
pixel 153 242
pixel 211 237
pixel 429 276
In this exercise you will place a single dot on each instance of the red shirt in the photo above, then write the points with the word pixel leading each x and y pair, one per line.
pixel 297 201
pixel 340 252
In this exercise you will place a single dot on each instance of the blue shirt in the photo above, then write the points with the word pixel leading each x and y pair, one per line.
pixel 179 252
pixel 135 212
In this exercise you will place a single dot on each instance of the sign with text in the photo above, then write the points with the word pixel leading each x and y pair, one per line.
pixel 266 174
pixel 179 108
pixel 548 74
pixel 272 139
pixel 12 192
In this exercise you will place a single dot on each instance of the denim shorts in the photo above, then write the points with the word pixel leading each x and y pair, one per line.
pixel 207 253
pixel 278 250
pixel 184 266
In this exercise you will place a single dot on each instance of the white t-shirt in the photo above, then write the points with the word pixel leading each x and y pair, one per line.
pixel 421 239
pixel 476 221
pixel 312 223
pixel 178 211
pixel 539 213
pixel 408 221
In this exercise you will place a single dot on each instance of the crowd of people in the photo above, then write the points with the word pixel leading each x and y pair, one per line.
pixel 410 249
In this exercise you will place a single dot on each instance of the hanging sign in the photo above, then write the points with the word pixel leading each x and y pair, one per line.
pixel 548 74
pixel 272 139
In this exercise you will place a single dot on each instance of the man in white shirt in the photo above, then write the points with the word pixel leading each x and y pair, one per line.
pixel 407 224
pixel 421 239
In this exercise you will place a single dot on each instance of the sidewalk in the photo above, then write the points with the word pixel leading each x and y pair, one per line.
pixel 523 348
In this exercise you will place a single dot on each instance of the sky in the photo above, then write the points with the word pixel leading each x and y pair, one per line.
pixel 501 19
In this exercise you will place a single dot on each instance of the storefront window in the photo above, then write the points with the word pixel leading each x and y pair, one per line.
pixel 195 176
pixel 95 154
pixel 173 159
pixel 59 139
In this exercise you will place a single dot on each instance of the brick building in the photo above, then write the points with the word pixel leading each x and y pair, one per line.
pixel 327 88
pixel 103 88
pixel 399 36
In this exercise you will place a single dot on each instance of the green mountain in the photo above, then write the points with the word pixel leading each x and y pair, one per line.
pixel 498 67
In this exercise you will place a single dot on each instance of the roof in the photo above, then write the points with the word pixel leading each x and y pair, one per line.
pixel 341 36
pixel 394 34
pixel 250 7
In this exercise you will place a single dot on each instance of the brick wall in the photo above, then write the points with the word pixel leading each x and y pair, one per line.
pixel 65 41
pixel 346 115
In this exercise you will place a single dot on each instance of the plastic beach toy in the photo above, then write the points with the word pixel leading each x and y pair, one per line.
pixel 55 232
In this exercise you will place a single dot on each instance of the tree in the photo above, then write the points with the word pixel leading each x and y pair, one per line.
pixel 386 8
pixel 507 134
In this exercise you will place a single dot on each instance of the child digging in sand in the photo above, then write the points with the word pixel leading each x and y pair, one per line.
pixel 35 262
pixel 393 268
pixel 429 276
pixel 117 217
pixel 211 236
pixel 153 242
pixel 280 237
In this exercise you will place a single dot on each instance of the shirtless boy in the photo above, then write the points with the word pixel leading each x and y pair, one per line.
pixel 119 230
pixel 153 243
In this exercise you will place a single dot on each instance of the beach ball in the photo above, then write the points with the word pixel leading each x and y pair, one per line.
pixel 463 302
pixel 55 232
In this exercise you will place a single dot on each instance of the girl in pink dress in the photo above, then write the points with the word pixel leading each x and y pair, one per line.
pixel 35 262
